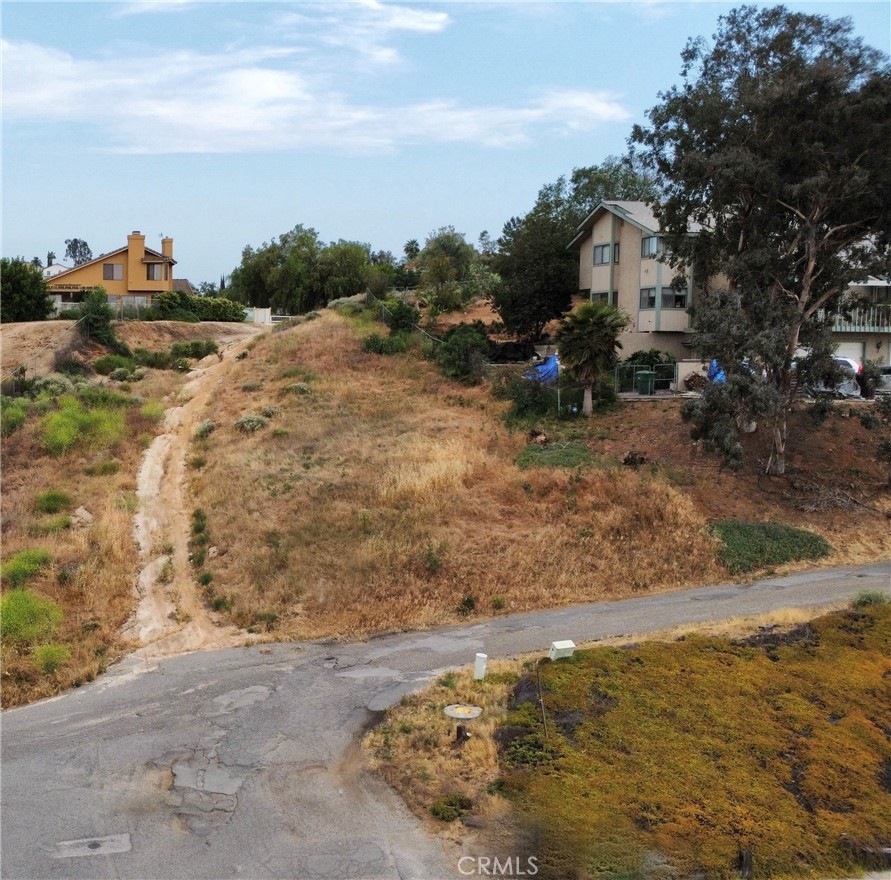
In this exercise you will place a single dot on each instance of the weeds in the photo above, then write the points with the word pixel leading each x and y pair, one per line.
pixel 23 566
pixel 49 525
pixel 250 423
pixel 555 455
pixel 52 501
pixel 50 657
pixel 26 617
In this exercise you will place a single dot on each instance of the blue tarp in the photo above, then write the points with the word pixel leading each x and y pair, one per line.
pixel 546 372
pixel 716 373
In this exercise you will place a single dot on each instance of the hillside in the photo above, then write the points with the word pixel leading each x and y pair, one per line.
pixel 374 495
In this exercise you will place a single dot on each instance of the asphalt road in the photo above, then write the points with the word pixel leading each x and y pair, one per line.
pixel 243 763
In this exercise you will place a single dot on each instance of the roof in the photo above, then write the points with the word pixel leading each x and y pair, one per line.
pixel 183 285
pixel 639 214
pixel 155 258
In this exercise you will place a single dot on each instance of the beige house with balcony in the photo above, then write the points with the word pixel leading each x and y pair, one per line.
pixel 619 249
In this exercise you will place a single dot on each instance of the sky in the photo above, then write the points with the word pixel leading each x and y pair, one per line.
pixel 226 124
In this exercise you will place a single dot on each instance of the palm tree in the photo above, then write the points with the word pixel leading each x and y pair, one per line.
pixel 588 344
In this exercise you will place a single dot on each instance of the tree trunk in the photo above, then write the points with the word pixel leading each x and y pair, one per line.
pixel 777 463
pixel 588 401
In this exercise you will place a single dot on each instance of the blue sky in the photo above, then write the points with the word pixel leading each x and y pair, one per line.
pixel 226 124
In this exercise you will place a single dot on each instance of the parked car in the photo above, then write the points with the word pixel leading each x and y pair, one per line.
pixel 884 383
pixel 847 386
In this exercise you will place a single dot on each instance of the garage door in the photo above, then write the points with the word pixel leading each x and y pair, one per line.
pixel 851 350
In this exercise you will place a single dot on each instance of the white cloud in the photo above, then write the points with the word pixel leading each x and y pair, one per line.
pixel 262 99
pixel 141 7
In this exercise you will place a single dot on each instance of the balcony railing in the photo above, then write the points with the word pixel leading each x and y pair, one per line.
pixel 864 319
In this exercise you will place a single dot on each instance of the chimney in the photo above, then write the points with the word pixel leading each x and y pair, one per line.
pixel 167 247
pixel 135 255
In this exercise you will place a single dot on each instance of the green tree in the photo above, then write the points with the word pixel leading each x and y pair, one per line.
pixel 774 149
pixel 78 251
pixel 411 249
pixel 446 256
pixel 282 274
pixel 588 345
pixel 24 295
pixel 343 269
pixel 539 275
pixel 96 319
pixel 50 258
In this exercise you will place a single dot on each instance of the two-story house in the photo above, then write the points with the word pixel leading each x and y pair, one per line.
pixel 619 261
pixel 619 249
pixel 131 275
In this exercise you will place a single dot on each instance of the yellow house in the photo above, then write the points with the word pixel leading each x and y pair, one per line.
pixel 131 274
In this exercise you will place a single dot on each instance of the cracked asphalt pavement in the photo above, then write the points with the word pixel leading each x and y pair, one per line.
pixel 244 763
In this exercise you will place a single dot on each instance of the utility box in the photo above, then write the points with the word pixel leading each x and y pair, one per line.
pixel 645 381
pixel 561 649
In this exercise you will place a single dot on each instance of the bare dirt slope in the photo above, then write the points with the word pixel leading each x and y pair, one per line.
pixel 35 344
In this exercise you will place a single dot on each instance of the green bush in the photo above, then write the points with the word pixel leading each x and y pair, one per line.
pixel 197 348
pixel 250 422
pixel 13 412
pixel 528 397
pixel 155 360
pixel 50 657
pixel 204 429
pixel 72 424
pixel 869 598
pixel 650 358
pixel 395 343
pixel 462 352
pixel 108 363
pixel 24 565
pixel 152 409
pixel 401 317
pixel 93 396
pixel 750 546
pixel 450 807
pixel 96 317
pixel 27 617
pixel 52 501
pixel 103 468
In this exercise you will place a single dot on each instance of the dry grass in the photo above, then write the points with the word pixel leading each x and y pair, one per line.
pixel 387 494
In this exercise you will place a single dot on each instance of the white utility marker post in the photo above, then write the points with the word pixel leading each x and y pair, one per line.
pixel 479 667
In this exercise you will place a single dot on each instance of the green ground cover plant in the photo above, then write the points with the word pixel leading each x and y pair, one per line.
pixel 24 565
pixel 751 546
pixel 555 455
pixel 704 749
pixel 50 657
pixel 52 501
pixel 13 412
pixel 72 423
pixel 27 617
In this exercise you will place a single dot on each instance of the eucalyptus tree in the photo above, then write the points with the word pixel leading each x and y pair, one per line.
pixel 773 150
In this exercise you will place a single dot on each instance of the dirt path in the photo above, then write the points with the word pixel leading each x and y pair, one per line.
pixel 170 617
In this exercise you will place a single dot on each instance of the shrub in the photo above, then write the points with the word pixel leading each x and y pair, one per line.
pixel 24 565
pixel 96 321
pixel 467 606
pixel 401 317
pixel 869 598
pixel 52 386
pixel 153 410
pixel 650 358
pixel 108 363
pixel 450 807
pixel 156 360
pixel 102 468
pixel 97 396
pixel 13 412
pixel 749 546
pixel 395 343
pixel 204 429
pixel 27 617
pixel 50 657
pixel 250 422
pixel 197 348
pixel 52 501
pixel 528 397
pixel 462 352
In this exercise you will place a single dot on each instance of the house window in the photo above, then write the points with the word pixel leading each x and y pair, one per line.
pixel 648 297
pixel 601 254
pixel 674 299
pixel 604 296
pixel 112 271
pixel 154 271
pixel 649 246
